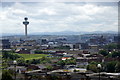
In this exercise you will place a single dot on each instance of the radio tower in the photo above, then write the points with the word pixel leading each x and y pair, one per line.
pixel 25 23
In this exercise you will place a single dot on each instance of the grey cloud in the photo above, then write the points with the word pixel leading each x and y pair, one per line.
pixel 52 17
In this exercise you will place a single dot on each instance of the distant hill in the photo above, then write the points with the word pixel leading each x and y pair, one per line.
pixel 61 33
pixel 72 33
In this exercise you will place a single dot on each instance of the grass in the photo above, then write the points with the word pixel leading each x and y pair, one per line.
pixel 32 56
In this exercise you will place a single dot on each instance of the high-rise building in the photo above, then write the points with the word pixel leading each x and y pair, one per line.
pixel 5 44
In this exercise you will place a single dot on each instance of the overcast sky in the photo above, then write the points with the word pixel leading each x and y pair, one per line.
pixel 56 17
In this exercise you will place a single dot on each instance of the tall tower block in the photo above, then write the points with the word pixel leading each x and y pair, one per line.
pixel 25 23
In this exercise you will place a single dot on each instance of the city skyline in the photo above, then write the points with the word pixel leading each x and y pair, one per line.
pixel 58 17
pixel 59 40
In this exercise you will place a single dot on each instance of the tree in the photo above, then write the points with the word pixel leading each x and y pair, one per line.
pixel 111 46
pixel 39 52
pixel 45 60
pixel 61 63
pixel 35 61
pixel 103 52
pixel 110 66
pixel 92 67
pixel 49 67
pixel 9 55
pixel 115 54
pixel 21 61
pixel 70 61
pixel 117 67
pixel 6 75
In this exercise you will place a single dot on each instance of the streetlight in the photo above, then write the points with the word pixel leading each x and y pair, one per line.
pixel 15 63
pixel 99 67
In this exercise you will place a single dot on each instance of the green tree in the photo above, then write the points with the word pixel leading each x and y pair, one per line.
pixel 92 67
pixel 115 54
pixel 110 66
pixel 70 61
pixel 61 62
pixel 45 60
pixel 9 55
pixel 103 52
pixel 21 61
pixel 6 75
pixel 117 67
pixel 49 67
pixel 111 46
pixel 35 61
pixel 39 52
